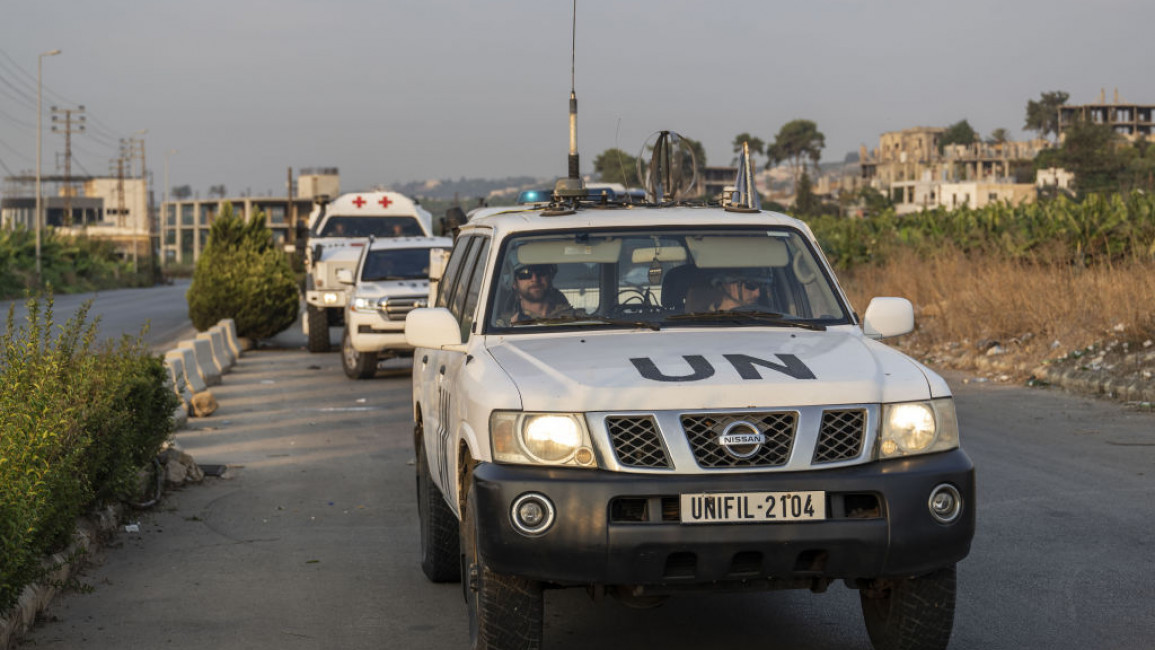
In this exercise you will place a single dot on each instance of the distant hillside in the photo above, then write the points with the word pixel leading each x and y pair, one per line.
pixel 468 189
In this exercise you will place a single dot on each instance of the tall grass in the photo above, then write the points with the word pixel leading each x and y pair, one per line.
pixel 1023 277
pixel 68 264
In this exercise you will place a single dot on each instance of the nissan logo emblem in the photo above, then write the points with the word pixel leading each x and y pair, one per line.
pixel 741 439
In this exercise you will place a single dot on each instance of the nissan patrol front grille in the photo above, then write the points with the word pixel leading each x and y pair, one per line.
pixel 397 308
pixel 637 442
pixel 705 432
pixel 841 436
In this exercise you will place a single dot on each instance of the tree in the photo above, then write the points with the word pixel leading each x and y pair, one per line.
pixel 1094 154
pixel 617 166
pixel 805 201
pixel 1043 115
pixel 243 275
pixel 181 192
pixel 756 145
pixel 999 136
pixel 958 133
pixel 797 142
pixel 218 191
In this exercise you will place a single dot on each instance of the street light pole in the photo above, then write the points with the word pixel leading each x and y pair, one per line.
pixel 38 217
pixel 164 211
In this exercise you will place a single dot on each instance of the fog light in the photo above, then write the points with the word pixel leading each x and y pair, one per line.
pixel 329 298
pixel 532 513
pixel 945 503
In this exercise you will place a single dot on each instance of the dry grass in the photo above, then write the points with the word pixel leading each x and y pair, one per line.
pixel 964 307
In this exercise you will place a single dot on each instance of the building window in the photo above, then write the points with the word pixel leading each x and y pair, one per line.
pixel 186 214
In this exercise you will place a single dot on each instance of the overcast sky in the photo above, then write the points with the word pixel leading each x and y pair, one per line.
pixel 392 91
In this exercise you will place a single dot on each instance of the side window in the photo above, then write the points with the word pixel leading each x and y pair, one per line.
pixel 449 280
pixel 457 300
pixel 473 290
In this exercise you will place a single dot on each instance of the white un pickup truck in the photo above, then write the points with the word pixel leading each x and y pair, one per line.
pixel 653 401
pixel 337 231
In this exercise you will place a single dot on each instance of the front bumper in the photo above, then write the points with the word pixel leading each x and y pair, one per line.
pixel 330 299
pixel 375 333
pixel 595 540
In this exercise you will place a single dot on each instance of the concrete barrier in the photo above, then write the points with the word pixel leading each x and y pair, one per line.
pixel 203 351
pixel 192 372
pixel 231 327
pixel 220 330
pixel 215 344
pixel 177 384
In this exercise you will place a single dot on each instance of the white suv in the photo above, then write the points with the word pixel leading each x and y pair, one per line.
pixel 657 400
pixel 390 279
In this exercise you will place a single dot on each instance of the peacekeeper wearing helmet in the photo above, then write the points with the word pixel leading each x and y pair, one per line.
pixel 534 297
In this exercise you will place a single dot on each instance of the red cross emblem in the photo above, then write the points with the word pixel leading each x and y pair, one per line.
pixel 359 202
pixel 385 202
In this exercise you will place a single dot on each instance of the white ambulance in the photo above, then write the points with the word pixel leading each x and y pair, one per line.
pixel 337 231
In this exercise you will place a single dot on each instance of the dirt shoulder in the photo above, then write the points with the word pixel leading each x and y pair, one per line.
pixel 1118 370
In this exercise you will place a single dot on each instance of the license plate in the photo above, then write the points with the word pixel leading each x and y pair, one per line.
pixel 753 507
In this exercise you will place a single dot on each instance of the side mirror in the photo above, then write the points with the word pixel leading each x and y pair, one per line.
pixel 344 276
pixel 432 327
pixel 887 317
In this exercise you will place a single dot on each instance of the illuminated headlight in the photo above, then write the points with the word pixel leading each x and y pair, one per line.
pixel 329 298
pixel 364 305
pixel 540 439
pixel 918 428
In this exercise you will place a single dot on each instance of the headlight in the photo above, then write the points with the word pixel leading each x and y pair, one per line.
pixel 364 305
pixel 918 428
pixel 540 439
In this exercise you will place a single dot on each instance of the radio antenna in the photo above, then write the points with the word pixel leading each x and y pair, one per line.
pixel 571 186
pixel 574 172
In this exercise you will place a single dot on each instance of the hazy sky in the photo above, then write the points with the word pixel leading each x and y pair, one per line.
pixel 391 91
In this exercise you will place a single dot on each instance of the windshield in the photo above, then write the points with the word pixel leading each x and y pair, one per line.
pixel 396 264
pixel 670 278
pixel 339 226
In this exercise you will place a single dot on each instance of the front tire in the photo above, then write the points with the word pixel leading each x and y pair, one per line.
pixel 440 544
pixel 358 365
pixel 505 612
pixel 318 329
pixel 911 613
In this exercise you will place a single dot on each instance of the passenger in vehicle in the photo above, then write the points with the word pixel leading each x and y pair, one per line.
pixel 534 296
pixel 734 289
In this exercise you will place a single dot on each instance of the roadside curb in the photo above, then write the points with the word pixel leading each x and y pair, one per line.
pixel 91 531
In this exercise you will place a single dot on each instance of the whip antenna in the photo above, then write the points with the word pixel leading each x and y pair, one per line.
pixel 571 186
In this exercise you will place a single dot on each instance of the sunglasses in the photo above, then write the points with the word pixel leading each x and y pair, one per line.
pixel 748 285
pixel 526 272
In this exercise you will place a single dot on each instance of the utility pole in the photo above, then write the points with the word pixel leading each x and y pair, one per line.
pixel 67 129
pixel 39 116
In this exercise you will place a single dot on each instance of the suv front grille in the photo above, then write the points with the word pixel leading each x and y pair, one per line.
pixel 637 442
pixel 704 429
pixel 841 436
pixel 397 308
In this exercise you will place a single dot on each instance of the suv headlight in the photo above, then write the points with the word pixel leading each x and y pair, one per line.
pixel 910 428
pixel 540 439
pixel 364 304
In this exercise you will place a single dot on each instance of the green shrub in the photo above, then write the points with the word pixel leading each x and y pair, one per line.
pixel 242 275
pixel 75 426
pixel 69 264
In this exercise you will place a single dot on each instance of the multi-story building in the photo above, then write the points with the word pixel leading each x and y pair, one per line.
pixel 911 167
pixel 185 223
pixel 1132 121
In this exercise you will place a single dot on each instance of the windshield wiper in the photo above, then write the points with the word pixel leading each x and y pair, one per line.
pixel 579 320
pixel 760 317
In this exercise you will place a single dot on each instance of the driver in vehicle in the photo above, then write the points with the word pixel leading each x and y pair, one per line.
pixel 534 296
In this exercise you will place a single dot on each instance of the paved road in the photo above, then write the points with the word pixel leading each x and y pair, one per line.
pixel 125 311
pixel 311 541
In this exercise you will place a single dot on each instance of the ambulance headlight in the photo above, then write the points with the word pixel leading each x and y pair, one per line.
pixel 910 428
pixel 541 439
